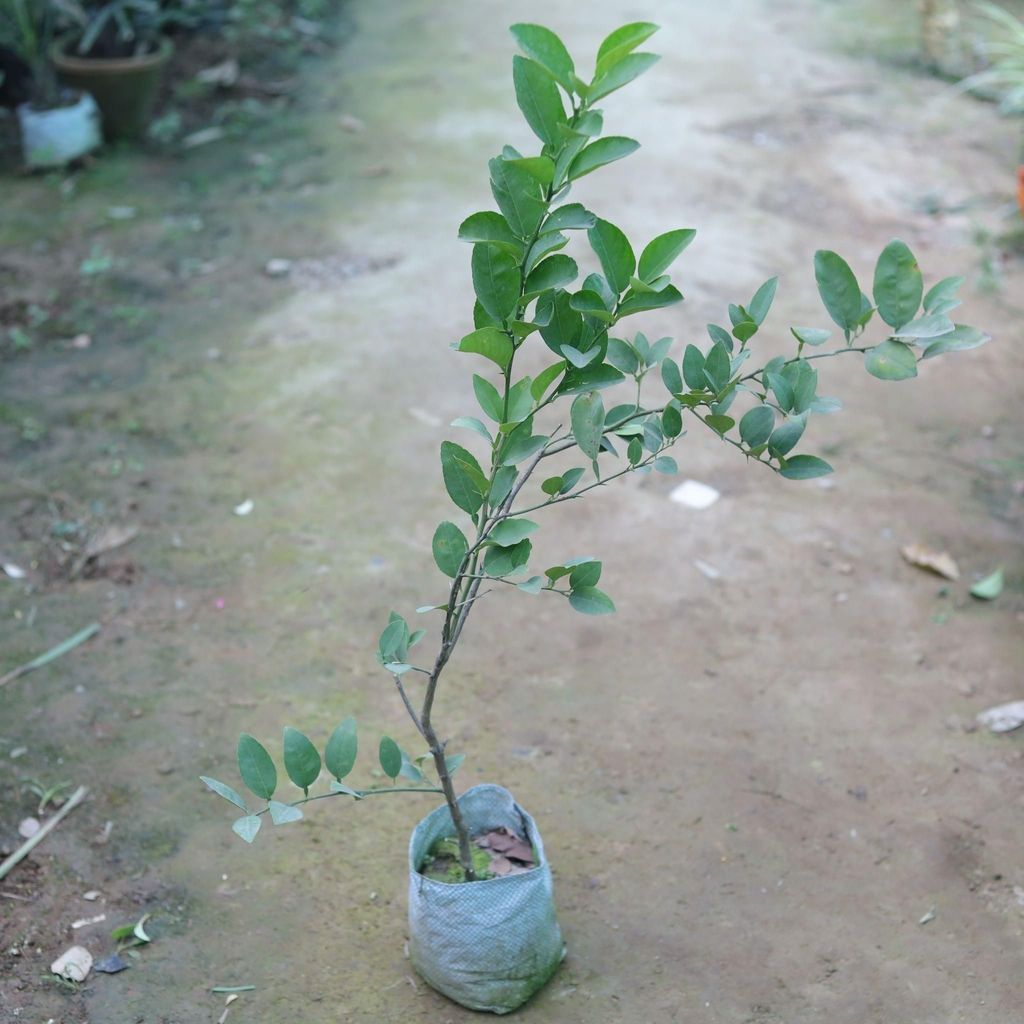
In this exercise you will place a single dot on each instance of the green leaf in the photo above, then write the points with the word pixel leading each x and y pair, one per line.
pixel 665 464
pixel 672 421
pixel 489 226
pixel 590 378
pixel 472 423
pixel 944 291
pixel 223 790
pixel 661 252
pixel 301 758
pixel 810 335
pixel 932 326
pixel 342 747
pixel 540 167
pixel 601 152
pixel 390 757
pixel 504 478
pixel 838 288
pixel 891 360
pixel 784 438
pixel 410 770
pixel 511 531
pixel 565 326
pixel 282 814
pixel 805 467
pixel 622 73
pixel 449 547
pixel 247 827
pixel 463 478
pixel 621 42
pixel 490 400
pixel 586 573
pixel 256 767
pixel 693 368
pixel 500 561
pixel 898 284
pixel 570 478
pixel 522 447
pixel 452 761
pixel 990 587
pixel 615 253
pixel 491 343
pixel 756 426
pixel 545 244
pixel 717 367
pixel 591 601
pixel 553 272
pixel 495 279
pixel 587 419
pixel 762 301
pixel 544 380
pixel 520 401
pixel 671 377
pixel 538 99
pixel 959 339
pixel 571 217
pixel 668 296
pixel 782 389
pixel 518 195
pixel 622 356
pixel 543 46
pixel 720 424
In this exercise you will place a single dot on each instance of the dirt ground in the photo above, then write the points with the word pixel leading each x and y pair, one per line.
pixel 762 794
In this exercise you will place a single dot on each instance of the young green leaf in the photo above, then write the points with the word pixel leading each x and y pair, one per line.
pixel 223 790
pixel 693 369
pixel 898 284
pixel 785 436
pixel 256 767
pixel 539 100
pixel 990 587
pixel 944 291
pixel 247 827
pixel 587 419
pixel 762 301
pixel 390 757
pixel 543 46
pixel 599 153
pixel 490 400
pixel 621 73
pixel 959 339
pixel 838 289
pixel 553 272
pixel 282 814
pixel 342 747
pixel 301 758
pixel 463 478
pixel 661 252
pixel 512 531
pixel 452 761
pixel 932 326
pixel 672 421
pixel 891 360
pixel 621 42
pixel 810 335
pixel 671 377
pixel 500 561
pixel 449 547
pixel 504 478
pixel 495 279
pixel 591 601
pixel 585 573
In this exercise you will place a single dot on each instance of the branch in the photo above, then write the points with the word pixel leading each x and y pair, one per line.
pixel 358 794
pixel 756 374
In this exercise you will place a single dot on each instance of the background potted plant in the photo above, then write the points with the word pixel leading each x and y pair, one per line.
pixel 482 924
pixel 57 125
pixel 117 52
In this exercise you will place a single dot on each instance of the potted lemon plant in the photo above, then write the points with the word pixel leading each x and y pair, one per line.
pixel 482 923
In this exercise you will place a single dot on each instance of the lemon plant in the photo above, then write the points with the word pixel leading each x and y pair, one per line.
pixel 530 293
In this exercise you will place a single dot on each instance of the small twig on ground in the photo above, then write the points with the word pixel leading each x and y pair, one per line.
pixel 26 847
pixel 52 654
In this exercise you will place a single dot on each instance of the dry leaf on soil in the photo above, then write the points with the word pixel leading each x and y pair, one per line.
pixel 940 562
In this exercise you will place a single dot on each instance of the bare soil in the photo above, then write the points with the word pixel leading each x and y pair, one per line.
pixel 762 793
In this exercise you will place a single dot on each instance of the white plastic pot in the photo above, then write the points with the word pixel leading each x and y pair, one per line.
pixel 52 138
pixel 488 945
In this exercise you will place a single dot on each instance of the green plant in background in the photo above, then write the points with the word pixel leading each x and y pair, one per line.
pixel 1004 77
pixel 29 28
pixel 529 295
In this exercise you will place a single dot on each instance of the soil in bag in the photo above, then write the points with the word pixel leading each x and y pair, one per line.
pixel 496 853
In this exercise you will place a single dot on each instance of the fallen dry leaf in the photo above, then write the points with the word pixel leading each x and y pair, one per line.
pixel 940 562
pixel 109 538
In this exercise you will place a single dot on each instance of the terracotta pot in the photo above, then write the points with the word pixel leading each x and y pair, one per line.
pixel 125 88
